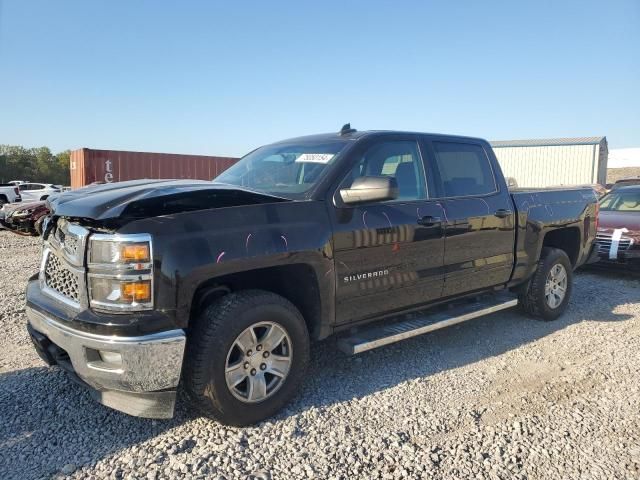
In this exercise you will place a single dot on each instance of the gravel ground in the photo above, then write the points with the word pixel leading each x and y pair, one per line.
pixel 499 398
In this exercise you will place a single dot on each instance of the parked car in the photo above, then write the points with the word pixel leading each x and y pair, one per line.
pixel 222 285
pixel 32 192
pixel 9 194
pixel 625 182
pixel 24 218
pixel 619 229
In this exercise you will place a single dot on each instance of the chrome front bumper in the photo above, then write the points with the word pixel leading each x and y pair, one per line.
pixel 136 375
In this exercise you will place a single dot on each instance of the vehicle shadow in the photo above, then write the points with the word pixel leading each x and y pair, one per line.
pixel 51 421
pixel 613 271
pixel 335 377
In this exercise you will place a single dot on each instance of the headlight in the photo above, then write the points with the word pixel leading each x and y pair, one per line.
pixel 115 292
pixel 120 272
pixel 119 252
pixel 23 213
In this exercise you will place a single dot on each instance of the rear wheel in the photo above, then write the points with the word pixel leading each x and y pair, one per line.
pixel 3 200
pixel 549 290
pixel 246 357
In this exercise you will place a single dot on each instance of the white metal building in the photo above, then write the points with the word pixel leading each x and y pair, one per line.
pixel 554 161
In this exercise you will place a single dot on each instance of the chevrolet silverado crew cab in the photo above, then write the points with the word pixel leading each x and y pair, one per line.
pixel 220 286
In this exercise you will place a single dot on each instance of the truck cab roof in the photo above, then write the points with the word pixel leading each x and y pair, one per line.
pixel 357 135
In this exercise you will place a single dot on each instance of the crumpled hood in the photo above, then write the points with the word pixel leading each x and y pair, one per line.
pixel 147 198
pixel 12 207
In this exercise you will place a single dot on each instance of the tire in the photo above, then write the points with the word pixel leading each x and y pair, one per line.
pixel 213 341
pixel 534 300
pixel 3 200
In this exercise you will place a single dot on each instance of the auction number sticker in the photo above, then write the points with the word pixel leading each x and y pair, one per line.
pixel 315 157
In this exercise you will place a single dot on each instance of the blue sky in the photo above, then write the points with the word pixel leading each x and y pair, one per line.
pixel 224 77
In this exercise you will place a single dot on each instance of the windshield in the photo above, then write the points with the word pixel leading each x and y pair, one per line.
pixel 285 170
pixel 621 202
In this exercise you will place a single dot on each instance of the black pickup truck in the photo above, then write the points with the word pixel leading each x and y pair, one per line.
pixel 220 286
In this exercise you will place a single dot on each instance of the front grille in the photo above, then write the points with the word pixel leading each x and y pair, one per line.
pixel 604 243
pixel 67 241
pixel 59 278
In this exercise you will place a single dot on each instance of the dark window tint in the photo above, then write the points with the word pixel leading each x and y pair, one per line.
pixel 397 159
pixel 464 169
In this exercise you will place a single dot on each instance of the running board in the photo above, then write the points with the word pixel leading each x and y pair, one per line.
pixel 393 330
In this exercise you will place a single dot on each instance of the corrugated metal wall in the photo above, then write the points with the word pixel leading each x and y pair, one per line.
pixel 545 166
pixel 88 166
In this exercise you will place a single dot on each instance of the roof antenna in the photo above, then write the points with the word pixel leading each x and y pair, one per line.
pixel 346 129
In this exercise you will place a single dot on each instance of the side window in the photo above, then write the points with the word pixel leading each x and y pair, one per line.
pixel 464 169
pixel 399 159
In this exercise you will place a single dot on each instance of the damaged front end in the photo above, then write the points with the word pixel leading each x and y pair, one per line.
pixel 85 280
pixel 93 307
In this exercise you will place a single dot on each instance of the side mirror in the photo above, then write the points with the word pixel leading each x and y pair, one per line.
pixel 370 189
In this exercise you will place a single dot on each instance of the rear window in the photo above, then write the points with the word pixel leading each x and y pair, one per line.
pixel 464 169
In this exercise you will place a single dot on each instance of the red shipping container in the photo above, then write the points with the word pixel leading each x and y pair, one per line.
pixel 89 166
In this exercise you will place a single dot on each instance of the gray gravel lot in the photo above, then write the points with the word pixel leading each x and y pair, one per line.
pixel 499 398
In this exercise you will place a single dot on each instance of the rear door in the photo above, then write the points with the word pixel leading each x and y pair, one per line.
pixel 479 217
pixel 388 255
pixel 30 191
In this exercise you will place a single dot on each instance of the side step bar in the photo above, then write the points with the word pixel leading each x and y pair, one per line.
pixel 393 330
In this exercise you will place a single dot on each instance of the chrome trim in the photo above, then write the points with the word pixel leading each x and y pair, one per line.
pixel 73 260
pixel 122 276
pixel 149 362
pixel 395 332
pixel 82 287
pixel 63 251
pixel 121 268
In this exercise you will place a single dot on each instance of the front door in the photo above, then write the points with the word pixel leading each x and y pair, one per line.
pixel 388 255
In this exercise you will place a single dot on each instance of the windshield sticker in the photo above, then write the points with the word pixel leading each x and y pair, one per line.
pixel 315 157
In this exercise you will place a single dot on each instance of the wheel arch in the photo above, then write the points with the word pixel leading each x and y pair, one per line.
pixel 566 239
pixel 298 283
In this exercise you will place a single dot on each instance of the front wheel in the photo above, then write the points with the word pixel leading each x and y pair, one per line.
pixel 549 290
pixel 246 357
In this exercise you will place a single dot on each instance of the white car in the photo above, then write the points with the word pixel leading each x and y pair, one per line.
pixel 9 194
pixel 37 191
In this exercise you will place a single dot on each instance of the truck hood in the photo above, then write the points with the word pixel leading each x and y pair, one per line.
pixel 136 199
pixel 612 220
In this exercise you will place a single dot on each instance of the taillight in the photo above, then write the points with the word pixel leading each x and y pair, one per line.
pixel 597 215
pixel 15 189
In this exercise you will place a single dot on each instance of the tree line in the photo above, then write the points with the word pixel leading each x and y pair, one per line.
pixel 34 165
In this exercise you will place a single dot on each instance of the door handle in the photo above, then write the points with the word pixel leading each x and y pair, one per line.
pixel 429 221
pixel 503 213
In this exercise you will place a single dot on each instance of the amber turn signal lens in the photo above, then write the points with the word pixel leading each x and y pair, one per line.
pixel 135 252
pixel 139 292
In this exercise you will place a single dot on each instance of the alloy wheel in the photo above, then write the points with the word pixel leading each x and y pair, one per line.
pixel 258 362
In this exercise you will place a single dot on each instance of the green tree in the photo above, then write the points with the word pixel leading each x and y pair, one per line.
pixel 34 164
